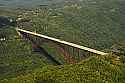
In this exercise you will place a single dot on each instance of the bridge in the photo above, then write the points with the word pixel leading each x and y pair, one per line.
pixel 72 53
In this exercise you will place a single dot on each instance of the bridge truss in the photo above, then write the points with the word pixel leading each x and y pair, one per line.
pixel 57 51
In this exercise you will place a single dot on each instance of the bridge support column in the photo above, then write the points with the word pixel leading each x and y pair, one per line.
pixel 69 59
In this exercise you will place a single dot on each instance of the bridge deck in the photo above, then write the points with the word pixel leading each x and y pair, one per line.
pixel 63 42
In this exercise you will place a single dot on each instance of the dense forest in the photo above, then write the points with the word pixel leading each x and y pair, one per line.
pixel 97 24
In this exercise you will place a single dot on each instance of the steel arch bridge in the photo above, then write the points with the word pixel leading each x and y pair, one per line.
pixel 71 53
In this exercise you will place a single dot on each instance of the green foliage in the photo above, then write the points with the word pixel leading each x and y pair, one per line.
pixel 94 23
pixel 96 69
pixel 98 24
pixel 16 56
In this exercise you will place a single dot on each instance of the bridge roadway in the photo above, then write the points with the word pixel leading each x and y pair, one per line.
pixel 63 42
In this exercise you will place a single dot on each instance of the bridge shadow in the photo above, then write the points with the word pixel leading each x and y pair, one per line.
pixel 45 54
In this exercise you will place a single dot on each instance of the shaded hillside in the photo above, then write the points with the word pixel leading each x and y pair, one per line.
pixel 97 69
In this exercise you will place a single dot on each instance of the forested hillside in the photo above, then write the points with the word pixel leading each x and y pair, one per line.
pixel 96 69
pixel 96 24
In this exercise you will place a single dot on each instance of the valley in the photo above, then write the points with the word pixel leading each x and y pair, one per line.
pixel 98 24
